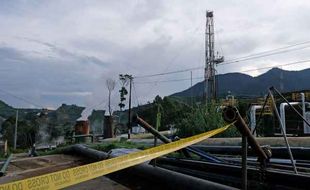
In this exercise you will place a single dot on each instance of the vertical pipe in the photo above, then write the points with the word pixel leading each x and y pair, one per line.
pixel 244 163
pixel 303 107
pixel 275 90
pixel 306 127
pixel 282 116
pixel 282 112
pixel 108 127
pixel 284 132
pixel 261 113
pixel 253 118
pixel 15 131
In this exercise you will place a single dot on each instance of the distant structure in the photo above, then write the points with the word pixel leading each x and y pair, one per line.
pixel 210 91
pixel 281 81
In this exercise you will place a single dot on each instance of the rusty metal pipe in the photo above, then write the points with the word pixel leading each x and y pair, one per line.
pixel 231 114
pixel 5 165
pixel 283 131
pixel 150 129
pixel 164 139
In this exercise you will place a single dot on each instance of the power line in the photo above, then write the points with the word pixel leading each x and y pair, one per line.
pixel 135 92
pixel 22 99
pixel 287 64
pixel 171 72
pixel 236 60
pixel 169 63
pixel 263 55
pixel 249 70
pixel 173 80
pixel 272 50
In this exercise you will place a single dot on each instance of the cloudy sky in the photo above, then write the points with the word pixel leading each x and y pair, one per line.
pixel 62 51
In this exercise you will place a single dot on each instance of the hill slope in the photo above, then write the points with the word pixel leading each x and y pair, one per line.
pixel 245 85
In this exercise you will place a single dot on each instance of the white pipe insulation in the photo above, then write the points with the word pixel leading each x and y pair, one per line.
pixel 282 112
pixel 253 116
pixel 306 127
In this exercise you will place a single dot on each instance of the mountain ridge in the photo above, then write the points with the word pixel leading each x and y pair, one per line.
pixel 240 84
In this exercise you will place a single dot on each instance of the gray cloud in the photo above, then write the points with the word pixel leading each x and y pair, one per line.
pixel 63 51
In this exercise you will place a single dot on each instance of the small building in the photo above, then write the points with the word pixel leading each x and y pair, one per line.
pixel 137 129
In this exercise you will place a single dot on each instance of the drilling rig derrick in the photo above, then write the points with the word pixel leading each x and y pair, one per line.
pixel 211 60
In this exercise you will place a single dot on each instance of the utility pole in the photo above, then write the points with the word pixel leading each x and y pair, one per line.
pixel 15 131
pixel 124 79
pixel 210 91
pixel 192 102
pixel 129 105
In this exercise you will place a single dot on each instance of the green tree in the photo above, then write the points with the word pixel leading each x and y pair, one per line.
pixel 172 111
pixel 203 119
pixel 26 132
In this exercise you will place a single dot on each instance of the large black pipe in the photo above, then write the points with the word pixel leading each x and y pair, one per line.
pixel 175 180
pixel 171 179
pixel 274 177
pixel 229 180
pixel 302 153
pixel 82 150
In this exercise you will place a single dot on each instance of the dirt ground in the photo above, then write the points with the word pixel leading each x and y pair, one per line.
pixel 98 183
pixel 22 168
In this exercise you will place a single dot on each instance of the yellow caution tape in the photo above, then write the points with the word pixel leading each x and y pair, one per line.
pixel 72 176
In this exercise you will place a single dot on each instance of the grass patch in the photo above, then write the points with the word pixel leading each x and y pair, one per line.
pixel 58 150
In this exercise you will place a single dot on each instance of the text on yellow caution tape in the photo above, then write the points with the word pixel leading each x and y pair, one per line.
pixel 72 176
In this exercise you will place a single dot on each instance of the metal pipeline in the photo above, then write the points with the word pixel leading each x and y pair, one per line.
pixel 83 150
pixel 282 112
pixel 253 116
pixel 302 153
pixel 231 114
pixel 273 102
pixel 164 139
pixel 175 180
pixel 171 179
pixel 303 101
pixel 226 171
pixel 273 89
pixel 5 165
pixel 150 129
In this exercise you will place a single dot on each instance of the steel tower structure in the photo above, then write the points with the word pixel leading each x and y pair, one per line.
pixel 210 91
